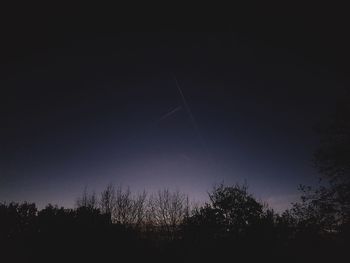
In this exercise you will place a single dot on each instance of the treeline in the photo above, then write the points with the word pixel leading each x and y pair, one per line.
pixel 166 209
pixel 120 225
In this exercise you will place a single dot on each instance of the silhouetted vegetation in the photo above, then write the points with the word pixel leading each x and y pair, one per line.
pixel 122 226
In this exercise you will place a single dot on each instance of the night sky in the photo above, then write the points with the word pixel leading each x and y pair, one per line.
pixel 88 106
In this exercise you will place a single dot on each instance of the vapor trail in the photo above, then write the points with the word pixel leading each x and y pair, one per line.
pixel 170 113
pixel 192 119
pixel 187 107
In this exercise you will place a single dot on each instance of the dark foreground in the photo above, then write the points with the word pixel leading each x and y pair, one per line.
pixel 234 227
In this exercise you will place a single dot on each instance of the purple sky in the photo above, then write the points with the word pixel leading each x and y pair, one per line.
pixel 90 108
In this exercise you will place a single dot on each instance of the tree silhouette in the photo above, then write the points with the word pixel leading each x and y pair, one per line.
pixel 231 212
pixel 233 224
pixel 236 206
pixel 108 201
pixel 333 162
pixel 327 208
pixel 168 209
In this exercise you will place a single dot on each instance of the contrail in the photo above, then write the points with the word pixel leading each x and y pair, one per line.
pixel 188 109
pixel 170 113
pixel 193 120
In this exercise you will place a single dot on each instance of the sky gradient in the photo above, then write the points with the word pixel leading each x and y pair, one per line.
pixel 88 108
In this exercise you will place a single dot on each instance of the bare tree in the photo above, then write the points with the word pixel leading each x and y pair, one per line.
pixel 123 205
pixel 107 202
pixel 168 209
pixel 87 200
pixel 139 208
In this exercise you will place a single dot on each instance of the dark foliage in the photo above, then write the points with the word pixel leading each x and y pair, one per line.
pixel 233 225
pixel 326 209
pixel 332 159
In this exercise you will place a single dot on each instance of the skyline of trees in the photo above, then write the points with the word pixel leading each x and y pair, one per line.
pixel 165 223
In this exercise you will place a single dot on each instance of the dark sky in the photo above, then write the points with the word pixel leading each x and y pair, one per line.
pixel 88 106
